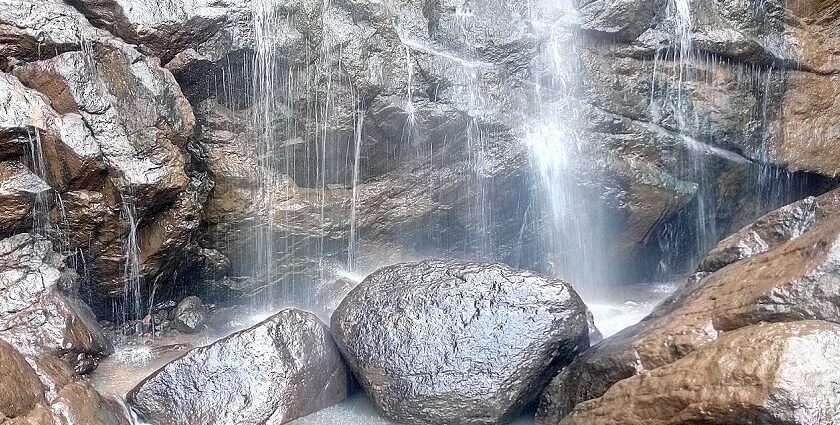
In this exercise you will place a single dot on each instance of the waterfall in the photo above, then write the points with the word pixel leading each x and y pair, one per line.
pixel 41 206
pixel 354 200
pixel 132 305
pixel 266 21
pixel 574 237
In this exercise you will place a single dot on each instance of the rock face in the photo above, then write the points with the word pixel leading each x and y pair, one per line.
pixel 41 390
pixel 38 313
pixel 449 342
pixel 112 129
pixel 781 373
pixel 796 280
pixel 279 370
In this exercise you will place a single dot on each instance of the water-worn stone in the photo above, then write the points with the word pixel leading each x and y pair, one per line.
pixel 796 280
pixel 37 314
pixel 189 315
pixel 279 370
pixel 780 373
pixel 451 342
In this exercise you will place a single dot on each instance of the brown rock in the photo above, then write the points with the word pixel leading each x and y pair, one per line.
pixel 806 136
pixel 773 229
pixel 796 280
pixel 781 373
pixel 19 188
pixel 20 389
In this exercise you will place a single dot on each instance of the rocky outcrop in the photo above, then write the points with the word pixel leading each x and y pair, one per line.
pixel 796 280
pixel 769 374
pixel 279 370
pixel 38 312
pixel 112 129
pixel 450 342
pixel 134 105
pixel 19 189
pixel 773 229
pixel 39 29
pixel 41 390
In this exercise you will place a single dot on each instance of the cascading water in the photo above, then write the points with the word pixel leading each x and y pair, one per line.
pixel 266 20
pixel 354 200
pixel 41 206
pixel 132 303
pixel 574 236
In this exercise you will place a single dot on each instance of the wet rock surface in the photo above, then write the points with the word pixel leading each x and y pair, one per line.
pixel 39 314
pixel 780 373
pixel 452 342
pixel 189 315
pixel 773 229
pixel 796 280
pixel 281 369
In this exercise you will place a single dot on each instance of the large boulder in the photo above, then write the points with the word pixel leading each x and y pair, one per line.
pixel 796 280
pixel 780 373
pixel 451 342
pixel 43 391
pixel 38 312
pixel 279 370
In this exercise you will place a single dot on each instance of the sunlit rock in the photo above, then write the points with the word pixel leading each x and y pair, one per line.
pixel 793 281
pixel 279 370
pixel 763 374
pixel 446 342
pixel 773 229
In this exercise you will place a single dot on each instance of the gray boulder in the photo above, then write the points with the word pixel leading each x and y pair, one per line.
pixel 279 370
pixel 189 315
pixel 447 342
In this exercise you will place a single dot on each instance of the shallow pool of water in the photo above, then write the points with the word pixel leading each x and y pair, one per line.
pixel 136 358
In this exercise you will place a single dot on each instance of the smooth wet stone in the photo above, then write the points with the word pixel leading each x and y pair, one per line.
pixel 274 372
pixel 449 342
